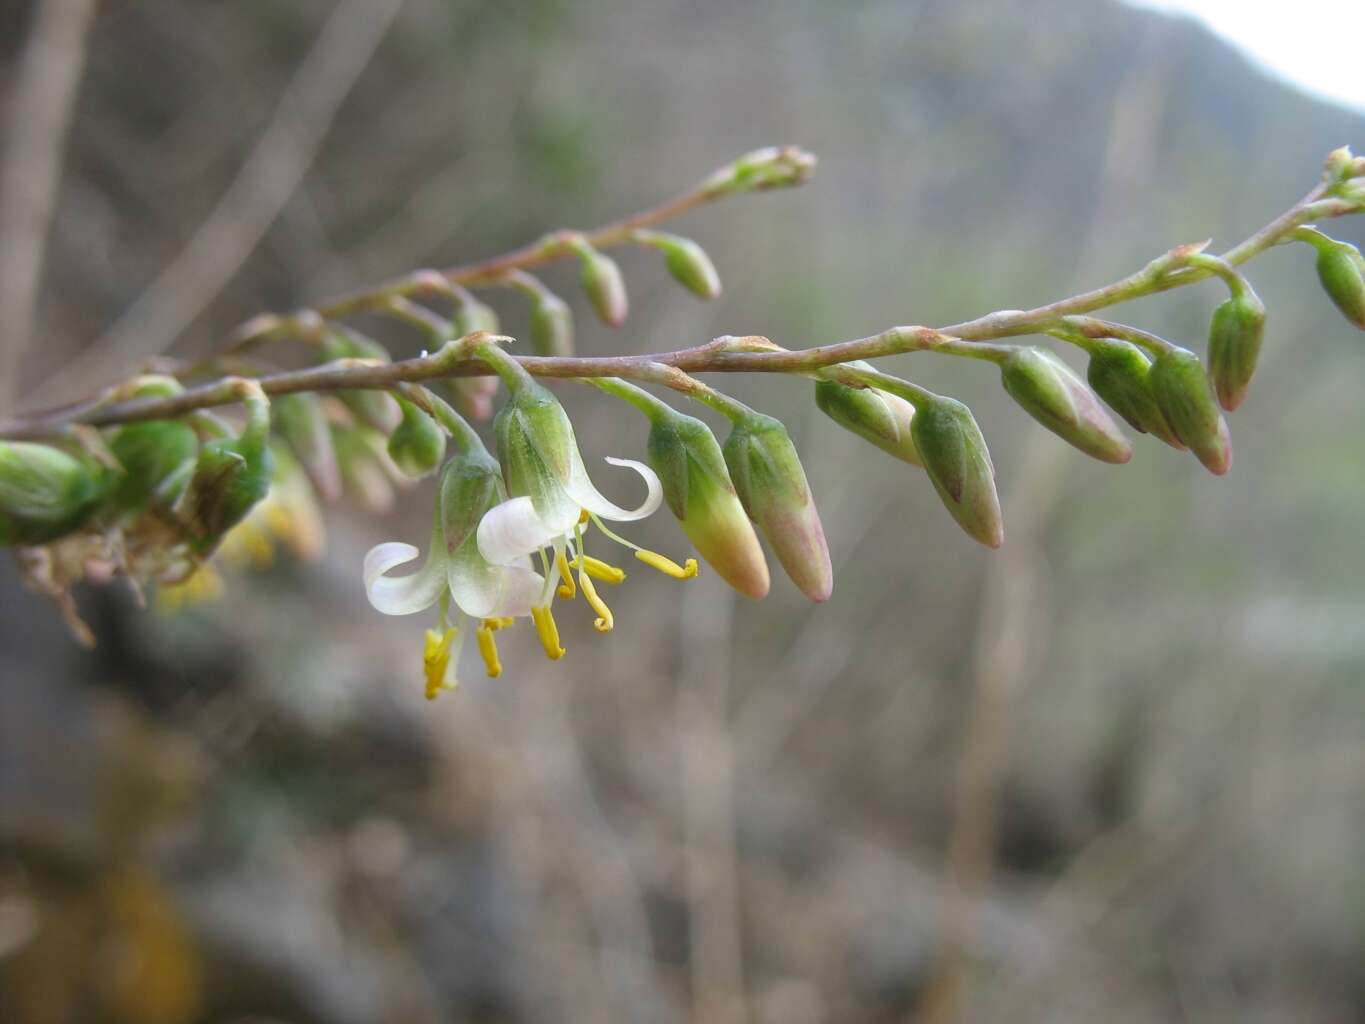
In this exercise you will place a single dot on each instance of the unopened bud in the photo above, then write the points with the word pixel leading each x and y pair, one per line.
pixel 230 476
pixel 157 456
pixel 1235 336
pixel 472 315
pixel 686 261
pixel 1054 395
pixel 1339 164
pixel 551 325
pixel 878 417
pixel 1341 269
pixel 372 407
pixel 772 486
pixel 471 484
pixel 770 167
pixel 302 422
pixel 1187 401
pixel 1120 374
pixel 959 464
pixel 697 486
pixel 45 492
pixel 601 280
pixel 417 445
pixel 367 472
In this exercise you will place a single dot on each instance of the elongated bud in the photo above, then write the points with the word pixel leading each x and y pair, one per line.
pixel 1235 336
pixel 1187 401
pixel 472 315
pixel 601 280
pixel 374 408
pixel 1341 269
pixel 417 445
pixel 770 167
pixel 686 261
pixel 157 456
pixel 959 464
pixel 46 492
pixel 877 417
pixel 536 445
pixel 367 472
pixel 302 422
pixel 230 476
pixel 697 486
pixel 551 325
pixel 1120 374
pixel 471 484
pixel 1054 395
pixel 772 486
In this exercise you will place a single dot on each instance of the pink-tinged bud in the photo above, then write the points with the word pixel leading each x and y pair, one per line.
pixel 473 397
pixel 1187 401
pixel 302 421
pixel 959 464
pixel 772 486
pixel 770 167
pixel 697 487
pixel 1341 269
pixel 1235 336
pixel 1120 374
pixel 877 417
pixel 601 280
pixel 551 325
pixel 1054 395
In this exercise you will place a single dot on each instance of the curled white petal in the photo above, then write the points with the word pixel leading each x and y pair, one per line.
pixel 405 594
pixel 582 490
pixel 491 591
pixel 510 531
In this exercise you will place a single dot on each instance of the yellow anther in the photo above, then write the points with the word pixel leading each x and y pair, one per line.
pixel 502 622
pixel 604 620
pixel 598 569
pixel 667 566
pixel 548 632
pixel 488 647
pixel 436 662
pixel 583 517
pixel 566 589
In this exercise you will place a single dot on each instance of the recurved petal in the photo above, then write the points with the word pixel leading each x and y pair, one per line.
pixel 487 591
pixel 581 489
pixel 511 530
pixel 406 594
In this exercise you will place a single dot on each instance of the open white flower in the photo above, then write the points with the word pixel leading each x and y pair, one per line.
pixel 456 573
pixel 552 502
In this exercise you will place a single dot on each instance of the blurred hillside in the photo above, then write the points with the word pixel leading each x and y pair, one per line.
pixel 1134 735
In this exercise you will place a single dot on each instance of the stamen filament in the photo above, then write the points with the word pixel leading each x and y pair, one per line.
pixel 605 620
pixel 666 565
pixel 548 632
pixel 488 648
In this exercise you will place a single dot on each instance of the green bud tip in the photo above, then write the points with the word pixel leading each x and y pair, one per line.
pixel 697 487
pixel 606 289
pixel 772 486
pixel 959 465
pixel 1235 336
pixel 551 326
pixel 417 445
pixel 877 417
pixel 767 168
pixel 46 493
pixel 1187 400
pixel 1341 269
pixel 687 262
pixel 302 421
pixel 472 315
pixel 1054 395
pixel 1119 372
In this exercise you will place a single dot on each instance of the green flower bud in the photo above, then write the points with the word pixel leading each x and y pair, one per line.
pixel 367 472
pixel 230 476
pixel 536 446
pixel 772 486
pixel 1235 336
pixel 1187 401
pixel 876 416
pixel 372 407
pixel 770 167
pixel 1341 269
pixel 687 458
pixel 602 281
pixel 46 492
pixel 1054 395
pixel 959 464
pixel 551 325
pixel 473 315
pixel 471 484
pixel 158 459
pixel 686 261
pixel 418 445
pixel 302 422
pixel 1119 372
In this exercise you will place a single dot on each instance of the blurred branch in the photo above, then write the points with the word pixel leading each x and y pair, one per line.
pixel 255 198
pixel 44 97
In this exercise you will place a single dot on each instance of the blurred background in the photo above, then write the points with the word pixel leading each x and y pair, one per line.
pixel 1113 771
